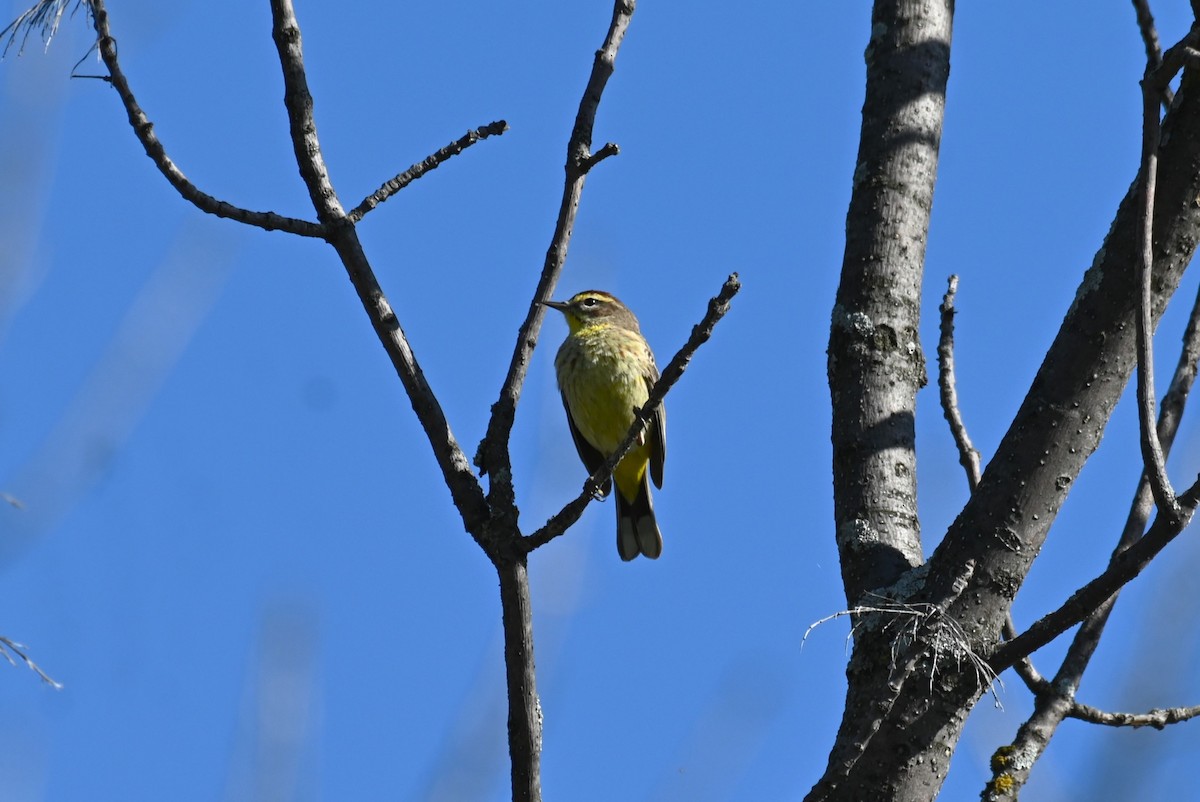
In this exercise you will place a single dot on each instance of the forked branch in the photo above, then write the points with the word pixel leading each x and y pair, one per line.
pixel 1121 569
pixel 1149 32
pixel 491 520
pixel 143 129
pixel 1055 700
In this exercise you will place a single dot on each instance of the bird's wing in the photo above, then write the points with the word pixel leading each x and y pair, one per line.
pixel 658 433
pixel 592 458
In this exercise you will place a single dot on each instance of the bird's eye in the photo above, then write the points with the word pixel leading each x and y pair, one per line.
pixel 589 302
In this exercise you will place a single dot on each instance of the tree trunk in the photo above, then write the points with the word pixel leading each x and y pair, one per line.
pixel 919 662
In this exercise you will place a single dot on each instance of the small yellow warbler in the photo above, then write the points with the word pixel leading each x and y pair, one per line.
pixel 605 373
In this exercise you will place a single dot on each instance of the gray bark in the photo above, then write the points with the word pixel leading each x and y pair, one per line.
pixel 912 685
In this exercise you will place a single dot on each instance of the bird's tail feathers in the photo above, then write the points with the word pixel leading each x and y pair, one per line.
pixel 637 529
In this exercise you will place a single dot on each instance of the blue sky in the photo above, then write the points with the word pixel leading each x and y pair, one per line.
pixel 235 549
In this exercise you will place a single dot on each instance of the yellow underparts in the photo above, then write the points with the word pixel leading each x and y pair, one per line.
pixel 602 373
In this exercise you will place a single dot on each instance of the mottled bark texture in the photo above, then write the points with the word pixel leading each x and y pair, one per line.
pixel 876 364
pixel 912 685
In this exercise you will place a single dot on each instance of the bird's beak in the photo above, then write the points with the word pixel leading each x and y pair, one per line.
pixel 559 305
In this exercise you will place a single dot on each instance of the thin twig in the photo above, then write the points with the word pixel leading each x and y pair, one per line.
pixel 1184 378
pixel 1121 569
pixel 967 454
pixel 431 162
pixel 609 149
pixel 8 645
pixel 1087 638
pixel 1149 32
pixel 947 384
pixel 1158 718
pixel 1152 451
pixel 492 457
pixel 144 130
pixel 1024 667
pixel 568 515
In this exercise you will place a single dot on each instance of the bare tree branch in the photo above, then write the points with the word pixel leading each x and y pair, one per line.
pixel 609 149
pixel 1152 451
pixel 1055 700
pixel 340 232
pixel 876 365
pixel 947 384
pixel 524 708
pixel 967 454
pixel 1158 718
pixel 1122 568
pixel 875 368
pixel 1059 425
pixel 334 227
pixel 285 31
pixel 9 647
pixel 568 515
pixel 431 162
pixel 1149 32
pixel 1077 385
pixel 490 519
pixel 1024 667
pixel 144 130
pixel 492 457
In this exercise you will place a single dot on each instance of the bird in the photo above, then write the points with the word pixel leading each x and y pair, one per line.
pixel 605 371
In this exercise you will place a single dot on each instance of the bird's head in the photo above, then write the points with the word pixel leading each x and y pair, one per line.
pixel 594 308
